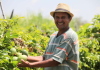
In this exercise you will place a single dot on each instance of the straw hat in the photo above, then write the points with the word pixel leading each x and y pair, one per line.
pixel 61 7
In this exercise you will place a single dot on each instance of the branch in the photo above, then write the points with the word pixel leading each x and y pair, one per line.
pixel 2 10
pixel 11 14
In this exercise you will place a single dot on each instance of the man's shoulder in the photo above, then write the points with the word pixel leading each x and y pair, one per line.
pixel 71 35
pixel 54 34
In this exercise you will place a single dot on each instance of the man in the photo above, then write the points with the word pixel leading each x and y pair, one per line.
pixel 62 52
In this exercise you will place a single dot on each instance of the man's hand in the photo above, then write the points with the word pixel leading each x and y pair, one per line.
pixel 23 64
pixel 46 63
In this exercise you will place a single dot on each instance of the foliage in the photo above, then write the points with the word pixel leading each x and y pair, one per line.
pixel 32 33
pixel 76 23
pixel 14 34
pixel 89 38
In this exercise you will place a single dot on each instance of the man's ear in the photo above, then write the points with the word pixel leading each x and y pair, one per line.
pixel 70 18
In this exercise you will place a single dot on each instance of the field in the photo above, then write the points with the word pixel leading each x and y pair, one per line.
pixel 32 33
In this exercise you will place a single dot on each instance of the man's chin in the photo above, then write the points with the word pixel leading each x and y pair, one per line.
pixel 60 28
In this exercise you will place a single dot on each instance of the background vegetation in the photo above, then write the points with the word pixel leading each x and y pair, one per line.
pixel 32 34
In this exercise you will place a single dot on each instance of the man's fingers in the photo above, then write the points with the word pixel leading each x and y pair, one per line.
pixel 19 65
pixel 23 64
pixel 22 61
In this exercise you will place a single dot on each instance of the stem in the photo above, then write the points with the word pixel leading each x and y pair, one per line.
pixel 11 14
pixel 4 18
pixel 2 10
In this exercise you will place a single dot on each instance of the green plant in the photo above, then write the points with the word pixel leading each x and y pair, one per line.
pixel 90 45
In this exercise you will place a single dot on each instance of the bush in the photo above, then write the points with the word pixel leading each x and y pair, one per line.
pixel 22 33
pixel 89 38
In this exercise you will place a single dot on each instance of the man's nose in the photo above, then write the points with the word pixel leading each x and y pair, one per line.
pixel 60 20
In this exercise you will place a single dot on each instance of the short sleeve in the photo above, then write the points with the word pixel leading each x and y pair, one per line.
pixel 62 51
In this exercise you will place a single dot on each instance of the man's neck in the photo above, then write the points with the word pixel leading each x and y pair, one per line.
pixel 61 32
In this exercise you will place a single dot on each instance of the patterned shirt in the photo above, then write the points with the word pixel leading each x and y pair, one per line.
pixel 63 49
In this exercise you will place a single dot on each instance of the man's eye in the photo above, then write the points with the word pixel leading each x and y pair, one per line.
pixel 57 17
pixel 63 17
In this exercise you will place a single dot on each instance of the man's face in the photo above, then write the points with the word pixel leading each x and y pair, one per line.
pixel 62 20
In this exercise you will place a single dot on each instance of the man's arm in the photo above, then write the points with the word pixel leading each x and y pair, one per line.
pixel 35 59
pixel 46 63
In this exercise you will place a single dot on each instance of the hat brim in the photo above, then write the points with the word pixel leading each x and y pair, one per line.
pixel 51 13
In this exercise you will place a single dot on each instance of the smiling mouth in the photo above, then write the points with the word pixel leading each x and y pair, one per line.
pixel 60 23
